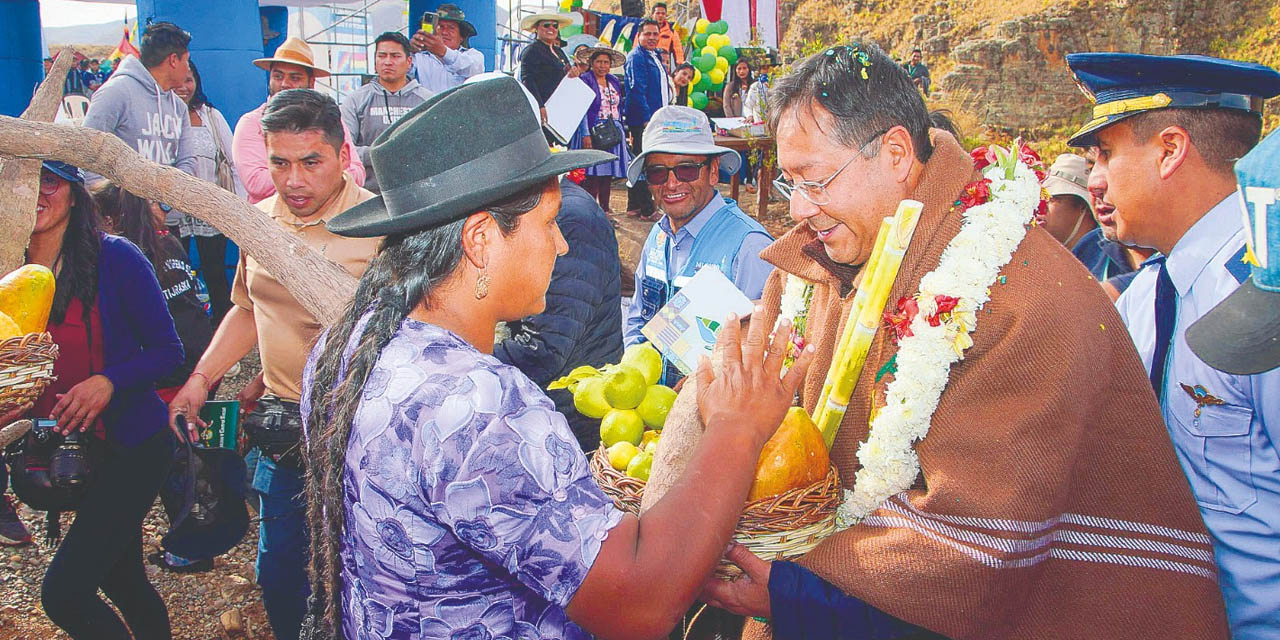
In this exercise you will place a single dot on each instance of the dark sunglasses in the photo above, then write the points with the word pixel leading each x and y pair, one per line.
pixel 685 172
pixel 549 24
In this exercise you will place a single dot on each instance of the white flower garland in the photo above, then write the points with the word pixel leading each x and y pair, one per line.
pixel 969 265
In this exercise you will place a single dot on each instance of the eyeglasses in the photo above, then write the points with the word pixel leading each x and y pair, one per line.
pixel 816 192
pixel 164 207
pixel 685 172
pixel 49 184
pixel 549 24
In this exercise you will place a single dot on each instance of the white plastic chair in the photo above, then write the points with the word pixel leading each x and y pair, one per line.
pixel 76 106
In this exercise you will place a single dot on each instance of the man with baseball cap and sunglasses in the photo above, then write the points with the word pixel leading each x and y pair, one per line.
pixel 681 165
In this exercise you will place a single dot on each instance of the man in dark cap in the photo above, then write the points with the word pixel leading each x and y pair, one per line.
pixel 1168 130
pixel 441 58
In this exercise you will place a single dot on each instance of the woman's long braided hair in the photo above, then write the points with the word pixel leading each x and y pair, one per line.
pixel 404 273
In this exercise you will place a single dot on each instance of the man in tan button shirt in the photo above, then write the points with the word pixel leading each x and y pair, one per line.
pixel 306 156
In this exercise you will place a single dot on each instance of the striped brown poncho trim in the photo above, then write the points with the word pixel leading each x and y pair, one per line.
pixel 1050 502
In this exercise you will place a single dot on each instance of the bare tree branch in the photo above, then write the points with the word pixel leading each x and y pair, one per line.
pixel 20 179
pixel 319 285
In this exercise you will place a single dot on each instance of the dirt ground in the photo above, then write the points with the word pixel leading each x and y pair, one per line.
pixel 197 601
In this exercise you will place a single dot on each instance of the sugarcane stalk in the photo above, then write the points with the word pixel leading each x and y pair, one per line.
pixel 859 298
pixel 887 260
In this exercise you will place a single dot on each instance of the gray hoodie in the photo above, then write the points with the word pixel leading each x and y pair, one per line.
pixel 155 123
pixel 370 110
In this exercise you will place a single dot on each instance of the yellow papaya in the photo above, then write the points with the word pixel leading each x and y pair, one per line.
pixel 794 457
pixel 26 296
pixel 8 328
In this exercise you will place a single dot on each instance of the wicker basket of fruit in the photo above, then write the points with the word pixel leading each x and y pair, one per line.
pixel 27 352
pixel 632 408
pixel 792 503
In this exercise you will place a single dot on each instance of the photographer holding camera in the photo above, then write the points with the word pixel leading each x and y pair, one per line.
pixel 441 59
pixel 99 434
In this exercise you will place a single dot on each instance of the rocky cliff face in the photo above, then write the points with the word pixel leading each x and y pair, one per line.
pixel 1003 61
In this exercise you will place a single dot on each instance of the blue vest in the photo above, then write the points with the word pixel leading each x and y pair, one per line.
pixel 717 243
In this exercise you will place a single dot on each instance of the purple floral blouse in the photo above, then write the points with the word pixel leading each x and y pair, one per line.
pixel 470 510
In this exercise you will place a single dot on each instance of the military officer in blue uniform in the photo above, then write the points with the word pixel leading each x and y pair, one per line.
pixel 1168 130
pixel 681 164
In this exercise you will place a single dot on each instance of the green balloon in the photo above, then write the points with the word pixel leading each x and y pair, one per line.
pixel 704 63
pixel 577 4
pixel 729 53
pixel 717 88
pixel 699 100
pixel 720 26
pixel 703 84
pixel 699 41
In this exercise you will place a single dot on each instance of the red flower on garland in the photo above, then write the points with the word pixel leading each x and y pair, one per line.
pixel 1028 156
pixel 976 193
pixel 983 157
pixel 900 321
pixel 1042 209
pixel 946 304
pixel 578 175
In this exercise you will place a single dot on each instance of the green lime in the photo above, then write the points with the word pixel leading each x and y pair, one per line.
pixel 640 466
pixel 621 453
pixel 646 359
pixel 655 406
pixel 621 425
pixel 588 398
pixel 624 387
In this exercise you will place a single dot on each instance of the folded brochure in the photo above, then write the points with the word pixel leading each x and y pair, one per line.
pixel 687 326
pixel 223 418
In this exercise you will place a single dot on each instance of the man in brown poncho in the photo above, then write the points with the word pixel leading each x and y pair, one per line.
pixel 1049 502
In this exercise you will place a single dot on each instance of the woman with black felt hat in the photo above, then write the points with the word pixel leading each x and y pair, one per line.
pixel 444 491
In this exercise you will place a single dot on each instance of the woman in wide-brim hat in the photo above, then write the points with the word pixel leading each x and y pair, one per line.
pixel 605 107
pixel 543 64
pixel 532 22
pixel 444 492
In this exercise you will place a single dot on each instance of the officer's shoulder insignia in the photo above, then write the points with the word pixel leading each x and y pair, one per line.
pixel 1237 267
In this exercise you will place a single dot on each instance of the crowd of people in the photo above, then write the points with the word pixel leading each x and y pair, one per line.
pixel 1083 470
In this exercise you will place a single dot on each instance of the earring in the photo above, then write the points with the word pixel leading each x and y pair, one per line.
pixel 482 285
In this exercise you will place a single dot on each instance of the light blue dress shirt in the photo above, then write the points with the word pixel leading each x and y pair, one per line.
pixel 438 74
pixel 749 270
pixel 1224 427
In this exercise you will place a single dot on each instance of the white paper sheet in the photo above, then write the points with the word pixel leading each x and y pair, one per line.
pixel 567 106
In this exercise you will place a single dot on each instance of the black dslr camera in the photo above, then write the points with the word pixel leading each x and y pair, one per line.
pixel 68 462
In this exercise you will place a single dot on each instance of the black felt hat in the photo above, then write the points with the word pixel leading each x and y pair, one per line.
pixel 459 151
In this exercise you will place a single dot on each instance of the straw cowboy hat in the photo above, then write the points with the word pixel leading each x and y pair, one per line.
pixel 615 57
pixel 526 24
pixel 293 51
pixel 458 174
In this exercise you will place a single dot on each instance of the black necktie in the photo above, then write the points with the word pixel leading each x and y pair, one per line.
pixel 1166 314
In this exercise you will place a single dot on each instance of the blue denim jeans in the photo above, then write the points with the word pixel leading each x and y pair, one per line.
pixel 282 544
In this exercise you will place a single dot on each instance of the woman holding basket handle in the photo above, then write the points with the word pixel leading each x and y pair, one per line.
pixel 445 493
